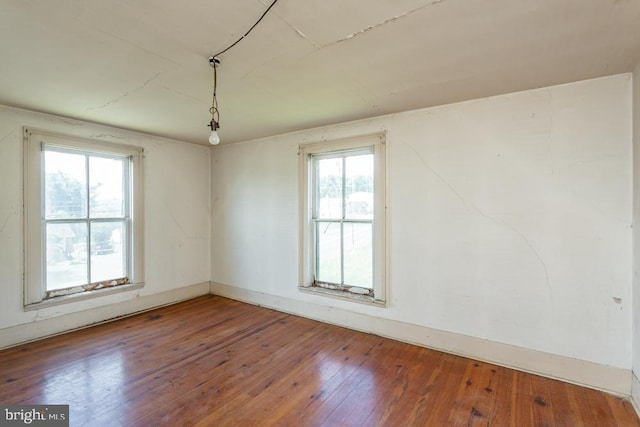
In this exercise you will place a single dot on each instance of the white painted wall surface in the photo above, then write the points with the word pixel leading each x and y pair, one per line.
pixel 177 220
pixel 636 234
pixel 509 218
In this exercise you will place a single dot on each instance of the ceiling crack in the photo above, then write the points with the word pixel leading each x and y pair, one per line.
pixel 386 21
pixel 127 41
pixel 126 94
pixel 167 88
pixel 317 46
pixel 299 32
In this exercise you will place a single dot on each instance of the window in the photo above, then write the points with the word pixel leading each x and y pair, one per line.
pixel 343 209
pixel 83 216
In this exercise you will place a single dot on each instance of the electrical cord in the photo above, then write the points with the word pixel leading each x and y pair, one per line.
pixel 247 33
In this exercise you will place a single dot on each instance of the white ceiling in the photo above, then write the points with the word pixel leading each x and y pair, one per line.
pixel 143 64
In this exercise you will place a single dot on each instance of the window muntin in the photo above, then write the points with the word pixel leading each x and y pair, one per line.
pixel 83 216
pixel 342 250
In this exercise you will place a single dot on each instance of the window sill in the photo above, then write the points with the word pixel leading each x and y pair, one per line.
pixel 345 296
pixel 80 296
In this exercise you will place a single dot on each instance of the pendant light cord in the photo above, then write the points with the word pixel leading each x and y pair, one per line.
pixel 250 29
pixel 215 114
pixel 214 124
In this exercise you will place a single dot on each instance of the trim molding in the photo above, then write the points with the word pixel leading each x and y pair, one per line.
pixel 635 393
pixel 32 331
pixel 607 378
pixel 594 375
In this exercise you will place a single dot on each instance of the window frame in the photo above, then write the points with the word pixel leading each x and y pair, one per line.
pixel 376 143
pixel 35 141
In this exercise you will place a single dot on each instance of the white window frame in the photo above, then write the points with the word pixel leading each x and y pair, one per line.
pixel 376 143
pixel 35 294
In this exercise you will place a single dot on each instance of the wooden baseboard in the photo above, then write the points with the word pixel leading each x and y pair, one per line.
pixel 27 332
pixel 607 378
pixel 635 393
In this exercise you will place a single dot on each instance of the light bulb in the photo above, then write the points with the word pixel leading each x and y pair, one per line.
pixel 214 139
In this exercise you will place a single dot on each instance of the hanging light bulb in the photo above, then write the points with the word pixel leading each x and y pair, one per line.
pixel 214 138
pixel 214 124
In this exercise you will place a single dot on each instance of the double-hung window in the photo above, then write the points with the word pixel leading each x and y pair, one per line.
pixel 343 218
pixel 83 223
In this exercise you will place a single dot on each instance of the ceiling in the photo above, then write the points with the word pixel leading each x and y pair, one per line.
pixel 143 64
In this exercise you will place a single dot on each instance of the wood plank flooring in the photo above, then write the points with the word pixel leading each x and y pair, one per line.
pixel 212 361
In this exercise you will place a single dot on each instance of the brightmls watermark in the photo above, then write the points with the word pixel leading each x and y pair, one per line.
pixel 34 415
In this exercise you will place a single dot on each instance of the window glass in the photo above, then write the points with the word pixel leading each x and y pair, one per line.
pixel 342 189
pixel 359 187
pixel 344 218
pixel 358 254
pixel 83 216
pixel 329 253
pixel 329 188
pixel 106 187
pixel 85 241
pixel 66 255
pixel 65 185
pixel 108 252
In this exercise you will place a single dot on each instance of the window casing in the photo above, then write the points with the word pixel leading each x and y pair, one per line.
pixel 83 217
pixel 343 218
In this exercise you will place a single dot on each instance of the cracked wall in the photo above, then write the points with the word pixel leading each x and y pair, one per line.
pixel 508 218
pixel 176 175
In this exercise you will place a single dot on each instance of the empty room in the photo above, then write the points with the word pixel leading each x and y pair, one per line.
pixel 331 213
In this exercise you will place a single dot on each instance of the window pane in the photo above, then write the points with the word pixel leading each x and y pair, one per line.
pixel 328 252
pixel 107 251
pixel 106 187
pixel 359 187
pixel 358 255
pixel 329 188
pixel 66 251
pixel 65 185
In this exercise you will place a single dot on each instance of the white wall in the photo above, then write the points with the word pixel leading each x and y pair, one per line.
pixel 177 221
pixel 509 218
pixel 636 236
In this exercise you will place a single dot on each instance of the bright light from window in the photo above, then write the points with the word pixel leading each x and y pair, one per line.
pixel 86 204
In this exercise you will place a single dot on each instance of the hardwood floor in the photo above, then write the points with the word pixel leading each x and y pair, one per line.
pixel 212 361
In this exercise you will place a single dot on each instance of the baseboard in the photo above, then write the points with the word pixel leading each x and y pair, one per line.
pixel 635 393
pixel 27 332
pixel 580 372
